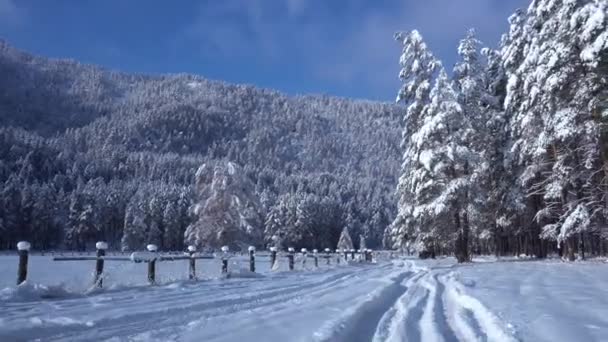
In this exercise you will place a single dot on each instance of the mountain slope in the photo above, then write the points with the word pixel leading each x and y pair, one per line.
pixel 117 142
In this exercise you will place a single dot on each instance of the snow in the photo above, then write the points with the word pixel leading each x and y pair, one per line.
pixel 23 246
pixel 152 248
pixel 194 85
pixel 101 245
pixel 391 300
pixel 143 256
pixel 578 220
pixel 544 300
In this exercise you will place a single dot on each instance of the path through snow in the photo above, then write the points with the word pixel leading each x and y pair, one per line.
pixel 390 301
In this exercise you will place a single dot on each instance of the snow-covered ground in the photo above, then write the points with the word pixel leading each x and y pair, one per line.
pixel 391 300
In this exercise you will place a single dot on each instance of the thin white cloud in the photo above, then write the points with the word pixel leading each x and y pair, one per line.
pixel 344 45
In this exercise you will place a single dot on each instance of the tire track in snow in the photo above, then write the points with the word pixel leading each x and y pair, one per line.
pixel 435 308
pixel 467 316
pixel 179 308
pixel 361 325
pixel 399 323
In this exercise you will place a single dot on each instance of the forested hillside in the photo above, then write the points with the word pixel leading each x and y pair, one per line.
pixel 88 154
pixel 509 154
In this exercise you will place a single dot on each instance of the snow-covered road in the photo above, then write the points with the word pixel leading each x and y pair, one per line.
pixel 398 300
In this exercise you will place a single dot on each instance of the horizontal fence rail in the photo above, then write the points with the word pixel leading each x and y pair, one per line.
pixel 151 256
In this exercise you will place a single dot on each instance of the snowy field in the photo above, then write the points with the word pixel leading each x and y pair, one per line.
pixel 391 300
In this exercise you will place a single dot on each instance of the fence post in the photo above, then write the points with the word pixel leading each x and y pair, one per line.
pixel 152 264
pixel 290 257
pixel 338 252
pixel 314 251
pixel 273 257
pixel 192 262
pixel 345 255
pixel 327 251
pixel 24 249
pixel 305 253
pixel 101 247
pixel 252 258
pixel 352 254
pixel 225 250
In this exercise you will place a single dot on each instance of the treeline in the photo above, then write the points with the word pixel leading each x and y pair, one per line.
pixel 88 154
pixel 508 156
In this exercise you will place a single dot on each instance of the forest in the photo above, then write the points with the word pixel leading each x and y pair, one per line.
pixel 88 154
pixel 508 155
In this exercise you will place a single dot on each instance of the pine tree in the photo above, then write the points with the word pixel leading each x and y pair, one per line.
pixel 174 234
pixel 418 67
pixel 556 137
pixel 345 242
pixel 135 229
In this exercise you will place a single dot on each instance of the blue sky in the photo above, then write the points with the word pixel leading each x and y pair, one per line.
pixel 338 47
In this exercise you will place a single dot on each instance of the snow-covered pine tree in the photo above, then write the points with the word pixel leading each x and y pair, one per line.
pixel 275 222
pixel 135 229
pixel 174 233
pixel 156 229
pixel 81 220
pixel 470 83
pixel 444 178
pixel 345 242
pixel 418 68
pixel 227 209
pixel 552 96
pixel 362 243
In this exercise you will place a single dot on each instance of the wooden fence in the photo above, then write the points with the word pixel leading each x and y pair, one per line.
pixel 151 256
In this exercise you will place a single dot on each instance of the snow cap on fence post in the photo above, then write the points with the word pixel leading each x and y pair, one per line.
pixel 101 245
pixel 225 249
pixel 304 250
pixel 191 249
pixel 152 248
pixel 291 250
pixel 273 249
pixel 327 250
pixel 23 246
pixel 251 248
pixel 315 251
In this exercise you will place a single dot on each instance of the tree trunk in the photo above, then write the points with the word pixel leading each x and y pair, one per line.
pixel 581 246
pixel 462 237
pixel 570 248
